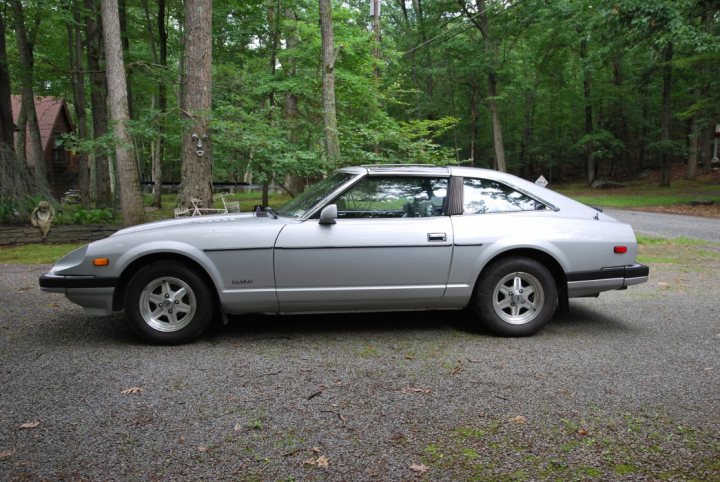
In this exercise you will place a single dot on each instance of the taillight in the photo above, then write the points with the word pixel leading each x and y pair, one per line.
pixel 620 249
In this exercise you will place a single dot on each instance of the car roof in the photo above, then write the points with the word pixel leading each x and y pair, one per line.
pixel 425 169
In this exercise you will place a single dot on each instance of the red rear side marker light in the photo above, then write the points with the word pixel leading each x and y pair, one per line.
pixel 620 249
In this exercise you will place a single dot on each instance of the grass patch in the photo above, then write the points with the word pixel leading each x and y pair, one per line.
pixel 678 251
pixel 641 194
pixel 551 450
pixel 654 241
pixel 36 253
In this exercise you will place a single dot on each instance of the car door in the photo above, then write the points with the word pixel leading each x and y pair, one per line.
pixel 390 248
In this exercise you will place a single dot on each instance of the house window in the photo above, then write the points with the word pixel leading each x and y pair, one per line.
pixel 59 154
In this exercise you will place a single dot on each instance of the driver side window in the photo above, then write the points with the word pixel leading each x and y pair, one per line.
pixel 394 197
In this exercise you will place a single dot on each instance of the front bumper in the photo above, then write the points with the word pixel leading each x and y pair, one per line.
pixel 588 283
pixel 94 294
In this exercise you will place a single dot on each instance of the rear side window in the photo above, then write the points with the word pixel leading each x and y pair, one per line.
pixel 485 196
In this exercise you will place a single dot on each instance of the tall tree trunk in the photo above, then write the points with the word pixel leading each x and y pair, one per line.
pixel 694 148
pixel 197 89
pixel 329 55
pixel 162 105
pixel 587 96
pixel 6 117
pixel 125 40
pixel 98 101
pixel 78 86
pixel 525 159
pixel 474 92
pixel 128 176
pixel 35 156
pixel 453 111
pixel 491 49
pixel 274 26
pixel 707 147
pixel 294 182
pixel 665 174
pixel 21 134
pixel 15 178
pixel 376 52
pixel 429 86
pixel 159 100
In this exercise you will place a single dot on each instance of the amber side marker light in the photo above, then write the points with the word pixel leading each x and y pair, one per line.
pixel 620 249
pixel 101 261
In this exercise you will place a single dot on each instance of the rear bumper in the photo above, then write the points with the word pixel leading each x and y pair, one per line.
pixel 585 283
pixel 94 294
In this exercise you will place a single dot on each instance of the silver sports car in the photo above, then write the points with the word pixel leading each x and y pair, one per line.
pixel 371 238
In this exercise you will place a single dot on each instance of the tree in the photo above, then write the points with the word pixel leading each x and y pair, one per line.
pixel 128 177
pixel 6 118
pixel 15 178
pixel 98 100
pixel 196 104
pixel 77 76
pixel 28 116
pixel 490 46
pixel 329 56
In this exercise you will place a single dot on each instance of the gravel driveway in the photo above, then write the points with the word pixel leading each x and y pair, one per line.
pixel 626 386
pixel 669 225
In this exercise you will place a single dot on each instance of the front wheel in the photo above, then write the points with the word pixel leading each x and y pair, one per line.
pixel 515 297
pixel 168 303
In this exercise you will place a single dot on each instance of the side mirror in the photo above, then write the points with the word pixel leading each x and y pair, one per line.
pixel 328 214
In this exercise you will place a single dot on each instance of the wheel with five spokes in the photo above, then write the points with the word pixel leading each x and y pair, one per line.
pixel 515 297
pixel 168 303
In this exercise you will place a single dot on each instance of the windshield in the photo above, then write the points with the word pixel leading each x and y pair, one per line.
pixel 305 201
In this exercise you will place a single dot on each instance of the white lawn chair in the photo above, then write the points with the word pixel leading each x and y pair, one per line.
pixel 230 206
pixel 182 212
pixel 198 210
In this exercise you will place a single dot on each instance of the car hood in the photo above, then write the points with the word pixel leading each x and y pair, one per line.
pixel 199 222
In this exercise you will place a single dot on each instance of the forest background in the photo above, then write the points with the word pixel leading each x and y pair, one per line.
pixel 240 90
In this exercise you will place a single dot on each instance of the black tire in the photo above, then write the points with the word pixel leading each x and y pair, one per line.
pixel 515 297
pixel 168 303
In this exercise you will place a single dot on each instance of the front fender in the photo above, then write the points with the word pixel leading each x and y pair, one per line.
pixel 170 247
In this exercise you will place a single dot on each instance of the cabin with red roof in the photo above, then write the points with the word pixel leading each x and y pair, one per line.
pixel 62 166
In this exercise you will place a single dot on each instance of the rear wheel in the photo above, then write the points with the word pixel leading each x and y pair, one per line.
pixel 168 303
pixel 515 297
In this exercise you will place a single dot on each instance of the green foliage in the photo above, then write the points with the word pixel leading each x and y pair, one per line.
pixel 8 210
pixel 432 74
pixel 78 215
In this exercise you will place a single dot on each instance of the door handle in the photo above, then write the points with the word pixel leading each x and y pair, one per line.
pixel 437 237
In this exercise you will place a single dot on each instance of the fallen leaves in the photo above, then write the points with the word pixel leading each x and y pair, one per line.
pixel 419 468
pixel 29 425
pixel 582 432
pixel 132 390
pixel 457 369
pixel 317 460
pixel 663 286
pixel 6 453
pixel 518 420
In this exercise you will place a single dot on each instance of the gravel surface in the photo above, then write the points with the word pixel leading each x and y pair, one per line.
pixel 626 386
pixel 669 225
